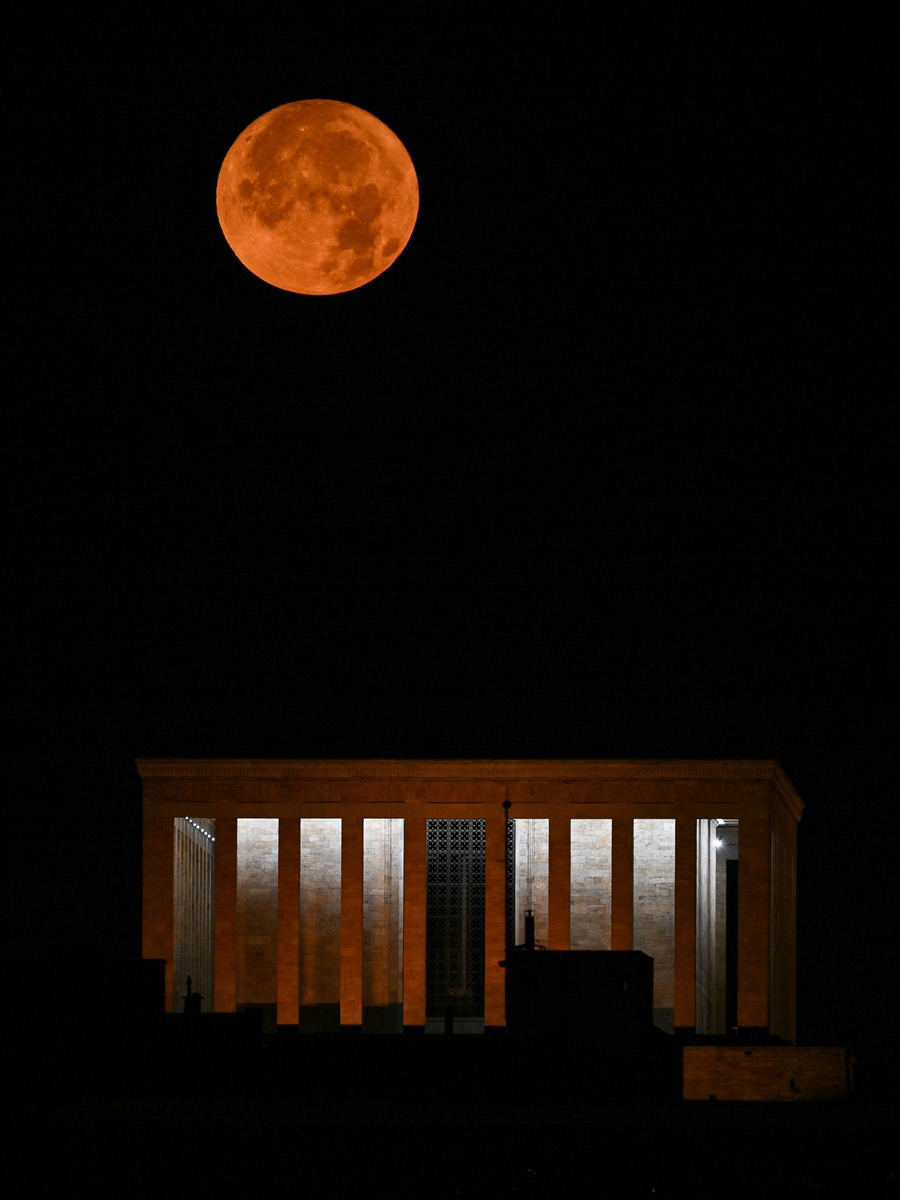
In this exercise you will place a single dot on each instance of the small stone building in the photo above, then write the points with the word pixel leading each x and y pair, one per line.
pixel 371 895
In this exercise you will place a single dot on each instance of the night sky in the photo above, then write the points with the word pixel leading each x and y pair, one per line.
pixel 598 468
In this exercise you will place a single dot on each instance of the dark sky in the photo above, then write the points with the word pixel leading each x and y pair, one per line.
pixel 599 468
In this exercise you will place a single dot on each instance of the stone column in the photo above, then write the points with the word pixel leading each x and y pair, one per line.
pixel 289 921
pixel 685 921
pixel 158 939
pixel 622 883
pixel 753 923
pixel 494 922
pixel 560 882
pixel 351 922
pixel 414 897
pixel 225 928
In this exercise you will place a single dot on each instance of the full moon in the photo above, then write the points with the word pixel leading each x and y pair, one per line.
pixel 317 197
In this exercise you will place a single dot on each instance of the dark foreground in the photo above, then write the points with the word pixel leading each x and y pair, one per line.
pixel 432 1117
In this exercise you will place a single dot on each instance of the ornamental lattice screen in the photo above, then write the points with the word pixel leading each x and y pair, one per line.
pixel 510 885
pixel 454 946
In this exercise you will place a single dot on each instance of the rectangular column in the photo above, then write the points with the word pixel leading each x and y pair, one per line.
pixel 753 924
pixel 414 897
pixel 351 922
pixel 560 882
pixel 225 939
pixel 494 922
pixel 685 921
pixel 289 921
pixel 622 883
pixel 783 937
pixel 158 893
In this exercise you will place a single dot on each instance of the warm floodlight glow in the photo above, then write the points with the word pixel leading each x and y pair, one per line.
pixel 317 197
pixel 718 842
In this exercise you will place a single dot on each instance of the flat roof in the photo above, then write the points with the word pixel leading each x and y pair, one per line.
pixel 503 769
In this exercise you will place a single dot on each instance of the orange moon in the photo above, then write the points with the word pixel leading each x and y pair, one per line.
pixel 317 197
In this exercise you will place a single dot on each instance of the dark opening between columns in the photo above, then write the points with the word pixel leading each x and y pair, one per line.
pixel 454 954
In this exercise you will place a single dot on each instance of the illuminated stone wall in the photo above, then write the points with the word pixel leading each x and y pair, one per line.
pixel 257 911
pixel 770 1073
pixel 320 922
pixel 590 914
pixel 532 877
pixel 706 926
pixel 654 909
pixel 726 833
pixel 194 884
pixel 382 966
pixel 295 945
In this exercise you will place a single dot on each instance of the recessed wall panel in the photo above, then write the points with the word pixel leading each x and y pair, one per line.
pixel 193 928
pixel 654 910
pixel 382 968
pixel 706 926
pixel 532 877
pixel 257 912
pixel 320 923
pixel 590 915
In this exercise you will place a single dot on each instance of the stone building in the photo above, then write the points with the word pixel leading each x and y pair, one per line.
pixel 373 894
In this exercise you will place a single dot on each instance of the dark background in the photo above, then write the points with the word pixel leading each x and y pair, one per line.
pixel 598 468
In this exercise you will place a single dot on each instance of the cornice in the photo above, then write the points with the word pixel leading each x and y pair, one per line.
pixel 499 770
pixel 786 791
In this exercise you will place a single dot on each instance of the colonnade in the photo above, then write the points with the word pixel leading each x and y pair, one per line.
pixel 588 860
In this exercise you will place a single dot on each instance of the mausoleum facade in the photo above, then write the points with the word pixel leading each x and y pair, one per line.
pixel 371 895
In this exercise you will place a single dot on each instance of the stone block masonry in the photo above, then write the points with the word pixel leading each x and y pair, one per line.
pixel 591 885
pixel 787 1073
pixel 654 909
pixel 382 970
pixel 257 911
pixel 320 912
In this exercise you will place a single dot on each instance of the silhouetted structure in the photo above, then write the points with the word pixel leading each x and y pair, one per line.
pixel 603 996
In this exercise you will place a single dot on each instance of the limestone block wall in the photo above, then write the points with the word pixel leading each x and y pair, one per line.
pixel 765 1073
pixel 382 969
pixel 654 909
pixel 727 835
pixel 532 875
pixel 257 911
pixel 590 912
pixel 193 915
pixel 706 925
pixel 320 911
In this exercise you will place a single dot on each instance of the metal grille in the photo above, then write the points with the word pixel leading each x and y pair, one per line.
pixel 454 949
pixel 510 885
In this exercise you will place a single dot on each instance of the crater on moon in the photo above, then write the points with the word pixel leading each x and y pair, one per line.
pixel 317 197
